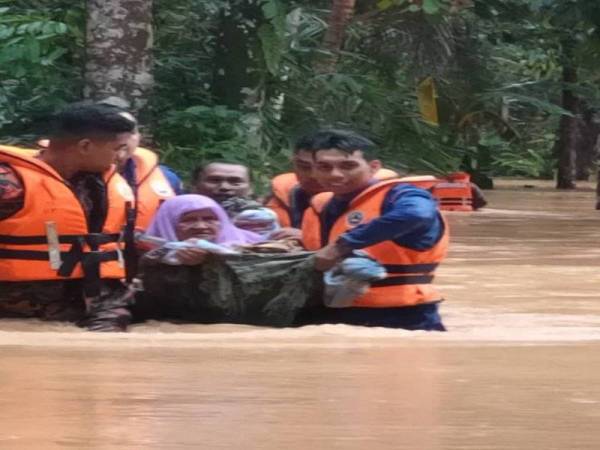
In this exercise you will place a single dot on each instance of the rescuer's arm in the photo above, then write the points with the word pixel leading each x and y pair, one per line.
pixel 410 217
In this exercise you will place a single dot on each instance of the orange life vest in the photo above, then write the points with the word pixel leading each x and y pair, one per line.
pixel 152 187
pixel 20 151
pixel 454 193
pixel 410 272
pixel 385 174
pixel 280 202
pixel 283 185
pixel 30 250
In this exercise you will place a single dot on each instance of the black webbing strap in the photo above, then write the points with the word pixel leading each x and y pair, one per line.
pixel 410 268
pixel 90 262
pixel 71 258
pixel 129 251
pixel 37 255
pixel 402 281
pixel 92 239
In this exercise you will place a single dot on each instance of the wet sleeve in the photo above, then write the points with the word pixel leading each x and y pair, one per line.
pixel 173 179
pixel 12 194
pixel 409 217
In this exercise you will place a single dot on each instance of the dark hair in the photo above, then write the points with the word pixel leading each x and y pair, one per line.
pixel 114 103
pixel 86 119
pixel 197 172
pixel 343 140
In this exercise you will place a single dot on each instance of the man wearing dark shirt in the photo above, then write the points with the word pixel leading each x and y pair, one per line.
pixel 397 224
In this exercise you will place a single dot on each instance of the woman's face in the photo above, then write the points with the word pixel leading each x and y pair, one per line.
pixel 199 224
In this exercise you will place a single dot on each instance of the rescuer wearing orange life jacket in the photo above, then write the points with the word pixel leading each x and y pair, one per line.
pixel 63 220
pixel 291 192
pixel 151 182
pixel 396 223
pixel 456 192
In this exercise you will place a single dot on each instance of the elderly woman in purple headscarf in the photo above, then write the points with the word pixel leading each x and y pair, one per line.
pixel 190 217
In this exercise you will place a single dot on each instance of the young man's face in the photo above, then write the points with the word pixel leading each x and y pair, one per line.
pixel 98 154
pixel 343 173
pixel 221 181
pixel 126 153
pixel 303 165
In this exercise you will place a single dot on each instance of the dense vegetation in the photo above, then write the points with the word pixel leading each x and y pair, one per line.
pixel 239 79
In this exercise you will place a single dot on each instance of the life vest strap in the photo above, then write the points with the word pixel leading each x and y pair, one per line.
pixel 36 255
pixel 130 252
pixel 92 239
pixel 402 281
pixel 90 262
pixel 410 268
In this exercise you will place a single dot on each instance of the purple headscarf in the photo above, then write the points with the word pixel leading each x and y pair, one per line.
pixel 165 221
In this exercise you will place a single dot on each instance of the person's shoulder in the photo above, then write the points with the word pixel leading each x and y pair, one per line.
pixel 285 180
pixel 173 178
pixel 404 190
pixel 168 170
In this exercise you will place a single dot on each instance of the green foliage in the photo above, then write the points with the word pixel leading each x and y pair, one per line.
pixel 40 50
pixel 497 66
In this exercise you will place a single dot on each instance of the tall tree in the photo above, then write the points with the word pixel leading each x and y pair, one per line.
pixel 236 62
pixel 119 50
pixel 341 13
pixel 566 144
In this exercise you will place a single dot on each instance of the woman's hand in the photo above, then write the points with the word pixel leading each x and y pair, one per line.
pixel 191 256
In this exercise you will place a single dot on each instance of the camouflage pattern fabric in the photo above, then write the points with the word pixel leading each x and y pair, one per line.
pixel 63 301
pixel 259 289
pixel 47 300
pixel 109 311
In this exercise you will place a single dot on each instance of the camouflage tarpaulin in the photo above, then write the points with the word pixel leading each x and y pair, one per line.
pixel 260 289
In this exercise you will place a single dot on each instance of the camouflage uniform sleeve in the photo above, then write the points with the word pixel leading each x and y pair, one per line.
pixel 12 195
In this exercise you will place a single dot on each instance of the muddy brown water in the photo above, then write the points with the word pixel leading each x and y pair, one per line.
pixel 518 369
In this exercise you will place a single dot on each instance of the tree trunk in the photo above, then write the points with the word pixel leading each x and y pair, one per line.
pixel 236 72
pixel 566 146
pixel 598 186
pixel 589 130
pixel 119 51
pixel 341 13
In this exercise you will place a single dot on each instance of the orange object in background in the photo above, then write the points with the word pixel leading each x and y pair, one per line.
pixel 454 193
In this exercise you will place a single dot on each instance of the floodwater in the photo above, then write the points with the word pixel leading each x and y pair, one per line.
pixel 518 368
